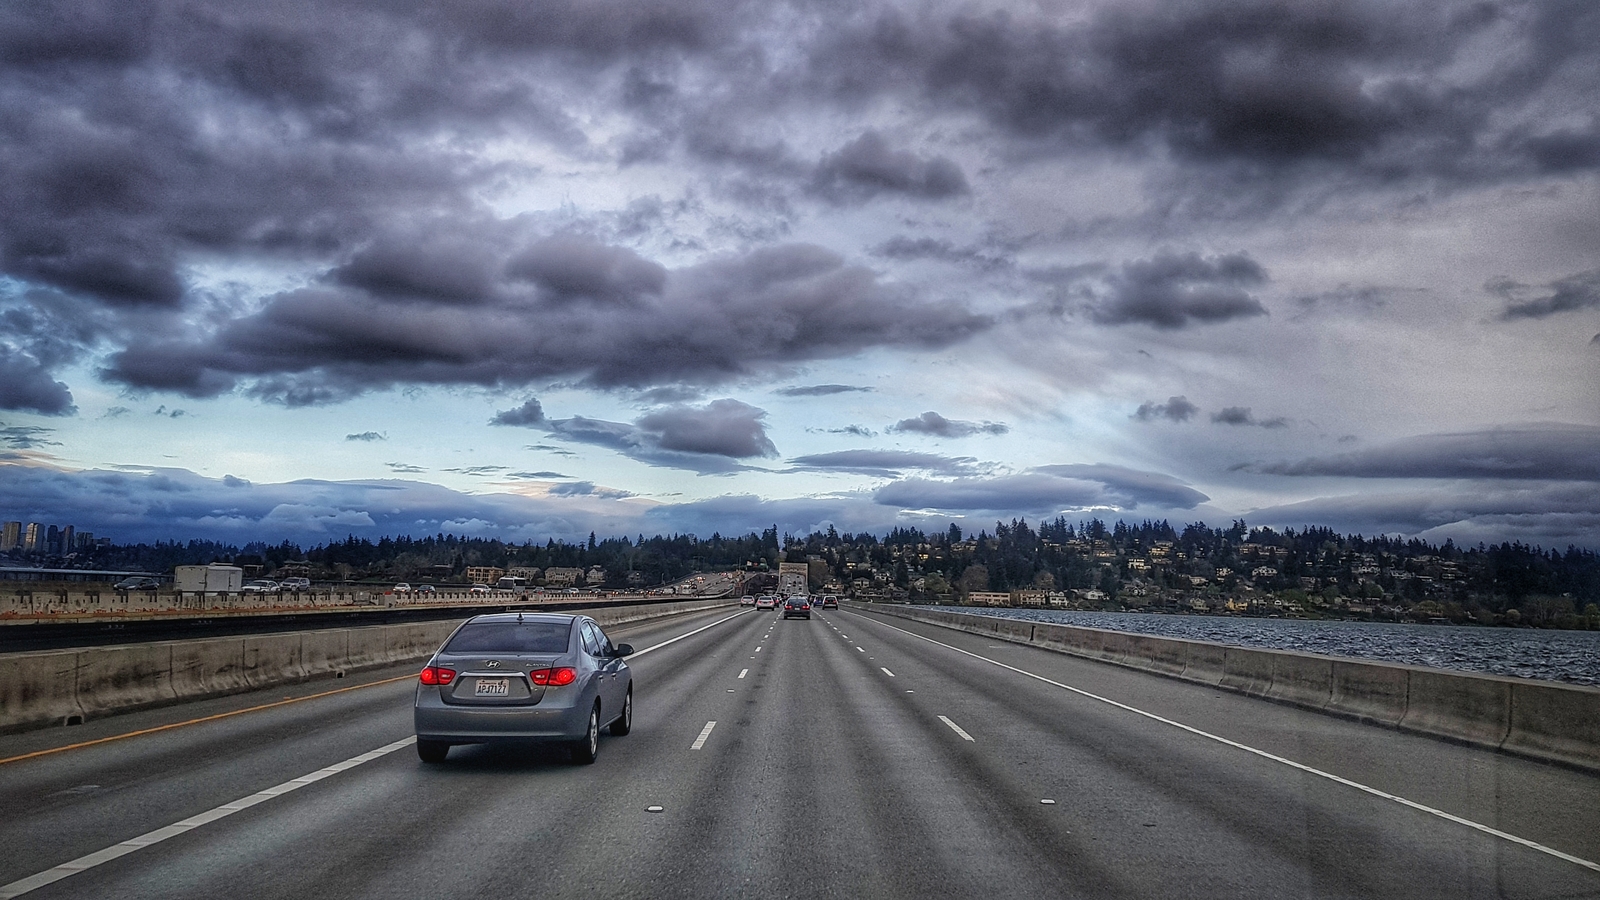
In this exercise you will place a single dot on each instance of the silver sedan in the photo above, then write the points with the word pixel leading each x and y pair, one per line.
pixel 518 677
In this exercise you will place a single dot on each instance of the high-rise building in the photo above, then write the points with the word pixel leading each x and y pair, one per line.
pixel 85 540
pixel 10 536
pixel 31 537
pixel 69 541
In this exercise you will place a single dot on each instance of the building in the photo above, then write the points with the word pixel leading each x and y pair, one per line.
pixel 562 576
pixel 989 598
pixel 31 537
pixel 489 575
pixel 10 536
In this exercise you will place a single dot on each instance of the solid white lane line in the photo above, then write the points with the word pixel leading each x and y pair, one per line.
pixel 887 672
pixel 957 729
pixel 638 653
pixel 1302 767
pixel 704 733
pixel 115 851
pixel 743 672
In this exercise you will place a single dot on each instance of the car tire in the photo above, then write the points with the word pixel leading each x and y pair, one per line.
pixel 624 722
pixel 432 751
pixel 586 748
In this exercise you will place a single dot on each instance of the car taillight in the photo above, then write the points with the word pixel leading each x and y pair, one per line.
pixel 553 677
pixel 437 675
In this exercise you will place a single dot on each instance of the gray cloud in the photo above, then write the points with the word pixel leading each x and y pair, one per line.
pixel 1555 515
pixel 530 413
pixel 820 390
pixel 26 384
pixel 1045 490
pixel 884 463
pixel 405 468
pixel 1553 452
pixel 587 489
pixel 1570 294
pixel 1172 291
pixel 535 476
pixel 867 166
pixel 934 424
pixel 705 439
pixel 1240 415
pixel 903 247
pixel 367 436
pixel 1176 409
pixel 26 437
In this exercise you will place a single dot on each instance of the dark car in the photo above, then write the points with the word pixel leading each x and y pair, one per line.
pixel 512 677
pixel 796 606
pixel 137 583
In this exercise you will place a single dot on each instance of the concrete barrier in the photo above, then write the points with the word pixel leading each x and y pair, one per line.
pixel 69 686
pixel 1543 720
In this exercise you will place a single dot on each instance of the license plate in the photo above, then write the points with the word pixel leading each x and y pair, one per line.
pixel 492 687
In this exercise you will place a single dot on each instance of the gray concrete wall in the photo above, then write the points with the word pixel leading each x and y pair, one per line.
pixel 55 687
pixel 1544 720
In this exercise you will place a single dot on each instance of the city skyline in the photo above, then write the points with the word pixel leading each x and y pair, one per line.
pixel 292 273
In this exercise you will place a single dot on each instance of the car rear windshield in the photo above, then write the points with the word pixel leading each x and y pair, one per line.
pixel 510 637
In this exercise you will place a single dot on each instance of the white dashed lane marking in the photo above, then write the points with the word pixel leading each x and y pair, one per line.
pixel 957 729
pixel 743 672
pixel 704 733
pixel 887 672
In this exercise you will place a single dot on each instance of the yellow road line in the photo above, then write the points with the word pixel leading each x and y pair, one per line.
pixel 237 712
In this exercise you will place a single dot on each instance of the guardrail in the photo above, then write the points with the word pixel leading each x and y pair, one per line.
pixel 71 686
pixel 1539 719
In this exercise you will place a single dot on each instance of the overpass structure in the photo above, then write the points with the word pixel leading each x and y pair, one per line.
pixel 855 754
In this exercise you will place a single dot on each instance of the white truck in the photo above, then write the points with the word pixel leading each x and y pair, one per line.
pixel 212 579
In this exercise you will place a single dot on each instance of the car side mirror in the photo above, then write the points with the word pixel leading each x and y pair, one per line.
pixel 622 650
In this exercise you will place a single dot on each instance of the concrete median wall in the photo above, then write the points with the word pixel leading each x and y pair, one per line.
pixel 58 687
pixel 1543 720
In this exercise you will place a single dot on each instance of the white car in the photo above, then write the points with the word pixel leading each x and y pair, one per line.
pixel 766 601
pixel 402 588
pixel 747 601
pixel 478 589
pixel 261 586
pixel 295 584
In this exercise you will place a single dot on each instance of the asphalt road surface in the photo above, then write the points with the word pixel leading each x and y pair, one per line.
pixel 845 756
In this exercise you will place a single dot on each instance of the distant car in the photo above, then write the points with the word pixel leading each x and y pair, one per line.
pixel 426 589
pixel 747 601
pixel 765 602
pixel 295 584
pixel 830 601
pixel 797 607
pixel 478 589
pixel 261 586
pixel 510 677
pixel 137 583
pixel 402 588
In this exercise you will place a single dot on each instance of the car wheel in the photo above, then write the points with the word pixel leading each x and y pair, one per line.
pixel 432 751
pixel 624 722
pixel 588 747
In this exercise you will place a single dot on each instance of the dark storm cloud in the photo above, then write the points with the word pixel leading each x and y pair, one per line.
pixel 1045 490
pixel 903 247
pixel 1378 90
pixel 868 166
pixel 1570 294
pixel 1172 291
pixel 25 384
pixel 932 423
pixel 1241 415
pixel 1553 452
pixel 1549 515
pixel 884 463
pixel 820 390
pixel 367 437
pixel 529 414
pixel 726 318
pixel 1176 409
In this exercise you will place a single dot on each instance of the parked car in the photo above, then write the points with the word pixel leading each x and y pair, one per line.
pixel 137 583
pixel 295 584
pixel 766 602
pixel 260 586
pixel 797 607
pixel 830 601
pixel 512 677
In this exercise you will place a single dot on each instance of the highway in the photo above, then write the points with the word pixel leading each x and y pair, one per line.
pixel 850 755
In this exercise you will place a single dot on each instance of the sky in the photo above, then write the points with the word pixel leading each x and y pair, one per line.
pixel 529 269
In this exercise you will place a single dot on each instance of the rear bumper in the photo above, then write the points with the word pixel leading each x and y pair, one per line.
pixel 437 721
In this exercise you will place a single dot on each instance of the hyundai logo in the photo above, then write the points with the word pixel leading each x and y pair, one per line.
pixel 492 664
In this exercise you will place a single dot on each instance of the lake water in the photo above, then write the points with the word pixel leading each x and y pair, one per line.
pixel 1569 656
